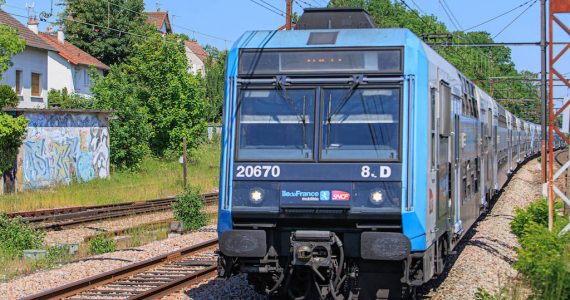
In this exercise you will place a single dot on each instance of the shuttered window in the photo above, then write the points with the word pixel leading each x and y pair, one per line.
pixel 36 87
pixel 18 82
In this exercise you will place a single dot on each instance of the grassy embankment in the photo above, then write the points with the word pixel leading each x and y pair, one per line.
pixel 157 178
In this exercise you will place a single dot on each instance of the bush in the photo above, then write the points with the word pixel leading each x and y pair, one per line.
pixel 8 97
pixel 12 131
pixel 544 261
pixel 63 99
pixel 17 236
pixel 188 209
pixel 102 244
pixel 536 212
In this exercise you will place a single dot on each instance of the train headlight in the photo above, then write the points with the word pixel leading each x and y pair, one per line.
pixel 376 197
pixel 256 195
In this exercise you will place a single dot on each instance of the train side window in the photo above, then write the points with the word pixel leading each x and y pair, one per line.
pixel 445 109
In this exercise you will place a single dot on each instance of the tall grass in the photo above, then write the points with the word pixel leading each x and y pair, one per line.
pixel 158 178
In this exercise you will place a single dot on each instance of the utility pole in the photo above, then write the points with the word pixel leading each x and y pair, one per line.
pixel 543 91
pixel 289 15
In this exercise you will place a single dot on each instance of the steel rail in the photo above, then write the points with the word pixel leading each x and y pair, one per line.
pixel 58 218
pixel 102 279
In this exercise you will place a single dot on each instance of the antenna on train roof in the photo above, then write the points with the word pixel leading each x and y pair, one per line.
pixel 334 18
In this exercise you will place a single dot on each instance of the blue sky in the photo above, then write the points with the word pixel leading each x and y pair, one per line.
pixel 228 19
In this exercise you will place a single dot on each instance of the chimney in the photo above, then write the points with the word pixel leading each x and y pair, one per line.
pixel 61 35
pixel 33 24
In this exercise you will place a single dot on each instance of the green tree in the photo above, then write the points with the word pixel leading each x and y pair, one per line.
pixel 214 82
pixel 480 64
pixel 8 97
pixel 130 131
pixel 116 27
pixel 12 131
pixel 158 102
pixel 10 44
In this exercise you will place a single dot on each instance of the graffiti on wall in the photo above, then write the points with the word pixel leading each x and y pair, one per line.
pixel 61 148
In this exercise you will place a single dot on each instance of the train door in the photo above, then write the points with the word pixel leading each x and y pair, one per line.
pixel 444 166
pixel 456 176
pixel 490 149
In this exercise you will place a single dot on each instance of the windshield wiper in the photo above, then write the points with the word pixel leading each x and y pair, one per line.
pixel 357 80
pixel 281 87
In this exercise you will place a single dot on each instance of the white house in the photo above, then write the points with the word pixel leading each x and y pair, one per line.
pixel 70 66
pixel 48 62
pixel 196 57
pixel 194 53
pixel 29 73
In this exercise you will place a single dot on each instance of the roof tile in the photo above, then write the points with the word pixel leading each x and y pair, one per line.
pixel 197 49
pixel 70 52
pixel 32 39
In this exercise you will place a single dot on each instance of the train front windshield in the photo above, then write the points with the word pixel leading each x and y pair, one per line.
pixel 354 124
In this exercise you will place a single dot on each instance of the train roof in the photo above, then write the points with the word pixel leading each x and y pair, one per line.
pixel 368 37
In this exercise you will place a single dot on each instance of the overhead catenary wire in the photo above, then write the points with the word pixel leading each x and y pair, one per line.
pixel 189 29
pixel 498 16
pixel 452 14
pixel 449 15
pixel 515 19
pixel 268 8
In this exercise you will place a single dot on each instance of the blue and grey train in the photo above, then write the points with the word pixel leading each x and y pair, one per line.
pixel 353 159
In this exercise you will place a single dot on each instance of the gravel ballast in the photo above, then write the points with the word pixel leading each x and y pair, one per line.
pixel 484 258
pixel 44 280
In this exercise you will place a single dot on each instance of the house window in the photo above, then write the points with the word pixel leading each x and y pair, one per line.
pixel 85 77
pixel 36 86
pixel 18 82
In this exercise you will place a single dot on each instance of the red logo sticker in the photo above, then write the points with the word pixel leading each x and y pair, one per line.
pixel 340 196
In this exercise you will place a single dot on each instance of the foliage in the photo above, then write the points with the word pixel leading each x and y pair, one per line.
pixel 189 209
pixel 543 256
pixel 214 82
pixel 122 24
pixel 63 99
pixel 102 244
pixel 10 44
pixel 130 131
pixel 17 236
pixel 8 97
pixel 156 83
pixel 536 212
pixel 12 131
pixel 544 260
pixel 480 64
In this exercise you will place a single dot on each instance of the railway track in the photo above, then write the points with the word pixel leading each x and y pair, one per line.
pixel 57 218
pixel 148 279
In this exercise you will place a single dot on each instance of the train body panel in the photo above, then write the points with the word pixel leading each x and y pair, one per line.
pixel 354 150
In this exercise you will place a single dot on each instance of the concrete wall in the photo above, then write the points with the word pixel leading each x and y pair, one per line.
pixel 61 147
pixel 30 60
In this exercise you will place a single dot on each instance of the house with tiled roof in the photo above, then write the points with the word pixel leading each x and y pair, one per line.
pixel 197 57
pixel 28 75
pixel 48 62
pixel 160 20
pixel 70 67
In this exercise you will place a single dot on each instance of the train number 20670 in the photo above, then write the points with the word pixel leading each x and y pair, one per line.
pixel 258 171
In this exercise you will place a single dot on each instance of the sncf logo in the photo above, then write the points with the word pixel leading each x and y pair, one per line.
pixel 340 196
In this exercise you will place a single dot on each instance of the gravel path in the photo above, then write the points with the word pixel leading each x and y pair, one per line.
pixel 485 258
pixel 79 233
pixel 44 280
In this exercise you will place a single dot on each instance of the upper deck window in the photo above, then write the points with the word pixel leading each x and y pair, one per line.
pixel 271 62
